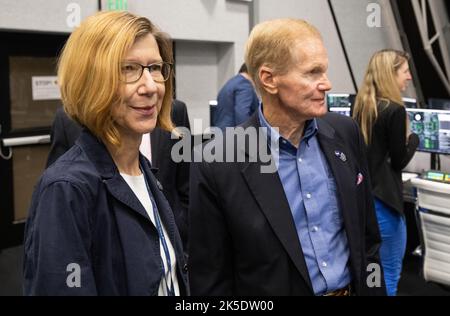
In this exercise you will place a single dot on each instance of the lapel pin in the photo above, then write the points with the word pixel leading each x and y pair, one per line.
pixel 340 155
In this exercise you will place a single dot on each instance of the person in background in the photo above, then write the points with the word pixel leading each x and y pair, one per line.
pixel 236 101
pixel 174 177
pixel 98 222
pixel 381 114
pixel 309 226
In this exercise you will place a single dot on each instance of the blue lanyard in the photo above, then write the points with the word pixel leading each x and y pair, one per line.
pixel 170 289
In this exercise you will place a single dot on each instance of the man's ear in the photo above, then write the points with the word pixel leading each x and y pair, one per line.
pixel 268 80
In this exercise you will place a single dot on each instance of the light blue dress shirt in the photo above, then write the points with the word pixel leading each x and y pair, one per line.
pixel 310 189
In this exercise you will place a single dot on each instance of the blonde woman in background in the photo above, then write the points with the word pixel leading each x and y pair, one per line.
pixel 381 114
pixel 99 223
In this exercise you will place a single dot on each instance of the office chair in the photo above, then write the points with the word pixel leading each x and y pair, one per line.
pixel 433 209
pixel 436 240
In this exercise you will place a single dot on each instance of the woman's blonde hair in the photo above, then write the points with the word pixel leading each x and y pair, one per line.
pixel 272 43
pixel 89 70
pixel 379 83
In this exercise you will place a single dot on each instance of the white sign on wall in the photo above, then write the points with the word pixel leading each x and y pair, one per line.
pixel 45 88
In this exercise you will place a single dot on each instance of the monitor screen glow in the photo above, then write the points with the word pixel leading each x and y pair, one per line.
pixel 341 103
pixel 433 129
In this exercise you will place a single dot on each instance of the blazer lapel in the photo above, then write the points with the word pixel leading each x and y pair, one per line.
pixel 342 165
pixel 115 184
pixel 122 192
pixel 269 193
pixel 274 205
pixel 164 210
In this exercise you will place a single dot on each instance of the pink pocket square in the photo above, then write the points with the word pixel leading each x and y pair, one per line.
pixel 359 178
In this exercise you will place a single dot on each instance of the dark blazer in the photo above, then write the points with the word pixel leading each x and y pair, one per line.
pixel 243 231
pixel 84 213
pixel 174 177
pixel 389 152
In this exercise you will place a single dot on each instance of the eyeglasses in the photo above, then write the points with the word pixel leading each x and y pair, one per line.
pixel 132 72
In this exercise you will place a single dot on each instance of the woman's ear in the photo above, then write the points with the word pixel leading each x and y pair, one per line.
pixel 268 80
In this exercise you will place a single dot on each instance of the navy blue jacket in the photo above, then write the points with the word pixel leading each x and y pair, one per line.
pixel 236 102
pixel 173 176
pixel 84 213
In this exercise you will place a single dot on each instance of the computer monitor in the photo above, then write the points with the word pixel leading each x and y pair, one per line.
pixel 341 103
pixel 433 129
pixel 439 104
pixel 410 103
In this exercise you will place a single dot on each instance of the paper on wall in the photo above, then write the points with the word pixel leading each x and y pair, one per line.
pixel 45 88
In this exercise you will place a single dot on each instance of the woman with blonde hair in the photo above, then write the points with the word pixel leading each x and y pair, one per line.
pixel 381 114
pixel 98 222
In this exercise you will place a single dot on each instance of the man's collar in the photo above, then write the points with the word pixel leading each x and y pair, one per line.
pixel 311 127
